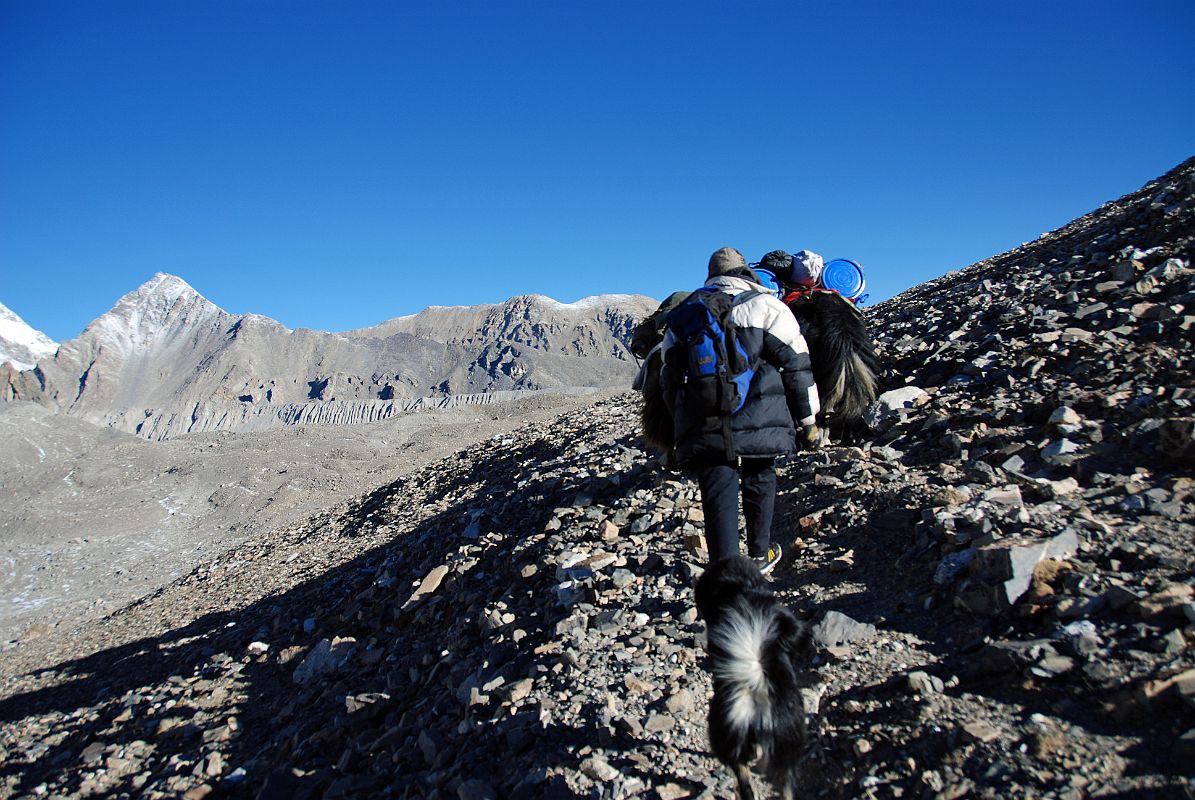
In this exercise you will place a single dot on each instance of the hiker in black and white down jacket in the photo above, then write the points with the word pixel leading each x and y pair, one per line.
pixel 781 391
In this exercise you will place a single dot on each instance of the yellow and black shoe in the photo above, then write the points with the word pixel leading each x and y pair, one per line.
pixel 768 562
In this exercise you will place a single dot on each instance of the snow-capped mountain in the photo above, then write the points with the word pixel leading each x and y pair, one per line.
pixel 165 360
pixel 20 345
pixel 148 319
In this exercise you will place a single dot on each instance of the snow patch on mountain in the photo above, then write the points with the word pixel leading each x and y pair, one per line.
pixel 150 313
pixel 21 345
pixel 595 301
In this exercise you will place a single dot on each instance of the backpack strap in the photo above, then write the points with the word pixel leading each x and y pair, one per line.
pixel 727 431
pixel 744 296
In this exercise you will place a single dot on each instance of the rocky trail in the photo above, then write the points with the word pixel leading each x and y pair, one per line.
pixel 1001 577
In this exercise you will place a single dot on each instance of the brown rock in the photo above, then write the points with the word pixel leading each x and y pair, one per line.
pixel 659 723
pixel 1168 602
pixel 637 685
pixel 980 731
pixel 1177 439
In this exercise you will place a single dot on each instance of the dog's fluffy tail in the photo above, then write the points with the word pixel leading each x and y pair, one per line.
pixel 741 639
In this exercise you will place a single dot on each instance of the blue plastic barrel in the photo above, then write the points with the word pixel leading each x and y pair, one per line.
pixel 845 277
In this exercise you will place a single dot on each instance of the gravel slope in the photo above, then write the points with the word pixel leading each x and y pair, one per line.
pixel 1002 578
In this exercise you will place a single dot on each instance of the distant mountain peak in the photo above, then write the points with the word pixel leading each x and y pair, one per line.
pixel 163 284
pixel 21 345
pixel 167 279
pixel 151 311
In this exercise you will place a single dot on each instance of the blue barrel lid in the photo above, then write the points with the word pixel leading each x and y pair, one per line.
pixel 845 277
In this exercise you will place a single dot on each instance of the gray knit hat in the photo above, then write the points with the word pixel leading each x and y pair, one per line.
pixel 726 261
pixel 729 261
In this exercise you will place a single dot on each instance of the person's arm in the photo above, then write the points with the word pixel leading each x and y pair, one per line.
pixel 785 348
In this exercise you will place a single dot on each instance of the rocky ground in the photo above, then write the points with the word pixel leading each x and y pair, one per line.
pixel 1002 577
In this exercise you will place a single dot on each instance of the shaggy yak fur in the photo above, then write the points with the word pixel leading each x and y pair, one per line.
pixel 845 367
pixel 758 653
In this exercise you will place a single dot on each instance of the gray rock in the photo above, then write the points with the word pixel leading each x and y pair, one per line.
pixel 981 732
pixel 922 683
pixel 1053 666
pixel 520 690
pixel 1060 452
pixel 1123 271
pixel 622 578
pixel 888 406
pixel 1064 415
pixel 326 657
pixel 811 697
pixel 1119 597
pixel 659 723
pixel 1000 657
pixel 952 565
pixel 475 789
pixel 368 704
pixel 429 746
pixel 837 629
pixel 1003 571
pixel 472 531
pixel 681 702
pixel 1005 496
pixel 428 585
pixel 643 523
pixel 1080 638
pixel 1184 746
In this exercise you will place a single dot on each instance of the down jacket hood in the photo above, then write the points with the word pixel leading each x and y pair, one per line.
pixel 734 284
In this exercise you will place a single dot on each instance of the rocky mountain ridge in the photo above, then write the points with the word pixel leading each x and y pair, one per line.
pixel 1002 580
pixel 166 361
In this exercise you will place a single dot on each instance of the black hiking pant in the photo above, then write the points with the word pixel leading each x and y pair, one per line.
pixel 720 484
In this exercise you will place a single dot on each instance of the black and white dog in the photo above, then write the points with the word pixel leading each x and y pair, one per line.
pixel 758 650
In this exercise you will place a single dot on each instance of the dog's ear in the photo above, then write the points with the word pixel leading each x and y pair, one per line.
pixel 795 636
pixel 713 591
pixel 705 590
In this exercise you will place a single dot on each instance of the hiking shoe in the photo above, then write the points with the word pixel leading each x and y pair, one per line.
pixel 767 563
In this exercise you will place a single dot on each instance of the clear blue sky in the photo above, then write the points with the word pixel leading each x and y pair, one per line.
pixel 335 164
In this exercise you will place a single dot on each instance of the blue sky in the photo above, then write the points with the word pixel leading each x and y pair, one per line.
pixel 335 164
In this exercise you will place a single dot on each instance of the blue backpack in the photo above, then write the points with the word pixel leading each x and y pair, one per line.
pixel 719 371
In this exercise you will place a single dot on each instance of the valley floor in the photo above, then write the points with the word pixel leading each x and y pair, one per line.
pixel 94 519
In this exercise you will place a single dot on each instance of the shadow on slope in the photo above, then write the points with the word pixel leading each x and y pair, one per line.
pixel 415 690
